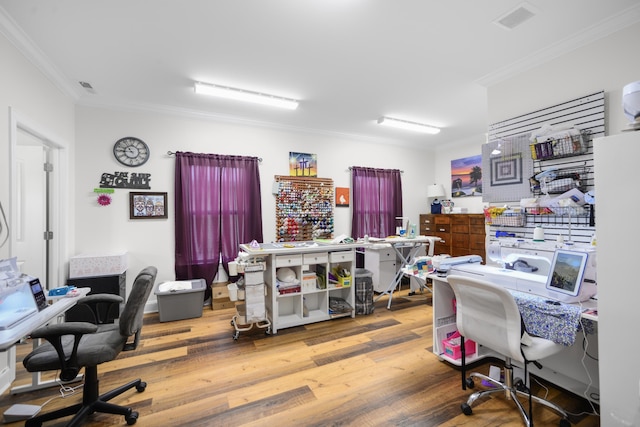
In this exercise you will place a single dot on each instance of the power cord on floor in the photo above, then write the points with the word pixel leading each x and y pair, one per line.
pixel 19 412
pixel 65 391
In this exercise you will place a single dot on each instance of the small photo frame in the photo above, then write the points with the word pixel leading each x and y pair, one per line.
pixel 147 205
pixel 342 196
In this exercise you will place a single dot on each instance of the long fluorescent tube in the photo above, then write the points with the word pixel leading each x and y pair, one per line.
pixel 245 95
pixel 404 124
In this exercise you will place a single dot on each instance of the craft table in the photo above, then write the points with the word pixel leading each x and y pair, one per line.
pixel 575 368
pixel 9 337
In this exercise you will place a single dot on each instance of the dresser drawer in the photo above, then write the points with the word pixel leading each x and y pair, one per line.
pixel 441 248
pixel 442 219
pixel 477 220
pixel 288 260
pixel 442 228
pixel 461 240
pixel 341 256
pixel 476 241
pixel 477 229
pixel 460 228
pixel 315 258
pixel 459 219
pixel 426 229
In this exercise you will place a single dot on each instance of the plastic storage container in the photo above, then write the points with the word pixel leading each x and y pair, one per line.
pixel 364 291
pixel 180 300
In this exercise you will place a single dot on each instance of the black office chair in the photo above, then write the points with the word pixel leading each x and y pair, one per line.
pixel 489 315
pixel 74 345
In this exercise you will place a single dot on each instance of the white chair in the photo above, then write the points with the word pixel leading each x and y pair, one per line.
pixel 489 315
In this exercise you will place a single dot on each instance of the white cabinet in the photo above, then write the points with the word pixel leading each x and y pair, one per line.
pixel 304 304
pixel 382 263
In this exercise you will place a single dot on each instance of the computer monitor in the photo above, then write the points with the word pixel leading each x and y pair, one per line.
pixel 566 274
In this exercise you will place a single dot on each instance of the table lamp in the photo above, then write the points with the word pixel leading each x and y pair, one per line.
pixel 434 191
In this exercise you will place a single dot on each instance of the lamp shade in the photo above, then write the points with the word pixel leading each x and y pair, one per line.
pixel 435 190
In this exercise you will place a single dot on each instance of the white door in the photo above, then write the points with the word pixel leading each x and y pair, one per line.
pixel 32 219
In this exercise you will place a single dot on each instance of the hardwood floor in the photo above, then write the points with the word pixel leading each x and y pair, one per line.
pixel 373 370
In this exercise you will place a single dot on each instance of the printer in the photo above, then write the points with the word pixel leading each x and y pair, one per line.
pixel 526 266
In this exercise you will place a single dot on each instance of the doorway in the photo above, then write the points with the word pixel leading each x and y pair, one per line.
pixel 37 236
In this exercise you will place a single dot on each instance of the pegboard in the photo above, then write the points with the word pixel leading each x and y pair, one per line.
pixel 304 208
pixel 507 161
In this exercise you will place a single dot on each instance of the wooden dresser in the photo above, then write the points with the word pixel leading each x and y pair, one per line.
pixel 461 234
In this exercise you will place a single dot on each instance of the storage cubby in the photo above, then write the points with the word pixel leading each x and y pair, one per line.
pixel 309 303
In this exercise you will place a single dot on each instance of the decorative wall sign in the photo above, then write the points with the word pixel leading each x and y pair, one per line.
pixel 139 181
pixel 506 170
pixel 147 205
pixel 466 176
pixel 104 195
pixel 342 196
pixel 303 164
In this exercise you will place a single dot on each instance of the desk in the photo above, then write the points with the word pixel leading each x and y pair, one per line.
pixel 399 243
pixel 9 337
pixel 575 368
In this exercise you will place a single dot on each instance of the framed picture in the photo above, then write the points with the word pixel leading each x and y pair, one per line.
pixel 342 196
pixel 466 176
pixel 303 164
pixel 147 205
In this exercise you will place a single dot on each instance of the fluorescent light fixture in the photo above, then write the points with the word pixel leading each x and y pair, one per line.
pixel 404 124
pixel 245 95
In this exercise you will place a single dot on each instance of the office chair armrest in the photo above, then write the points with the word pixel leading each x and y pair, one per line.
pixel 60 329
pixel 54 335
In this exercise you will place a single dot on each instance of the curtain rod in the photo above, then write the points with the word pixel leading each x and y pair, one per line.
pixel 171 153
pixel 351 167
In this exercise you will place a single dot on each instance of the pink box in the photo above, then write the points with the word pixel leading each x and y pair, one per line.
pixel 452 348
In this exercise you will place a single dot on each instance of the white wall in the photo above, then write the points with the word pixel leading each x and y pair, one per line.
pixel 25 90
pixel 453 151
pixel 604 65
pixel 108 229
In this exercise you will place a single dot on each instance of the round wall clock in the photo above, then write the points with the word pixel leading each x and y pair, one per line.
pixel 131 151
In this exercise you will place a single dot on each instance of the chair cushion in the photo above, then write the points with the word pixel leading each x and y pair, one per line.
pixel 540 348
pixel 93 350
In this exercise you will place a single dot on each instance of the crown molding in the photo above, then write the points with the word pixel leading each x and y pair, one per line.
pixel 30 50
pixel 624 19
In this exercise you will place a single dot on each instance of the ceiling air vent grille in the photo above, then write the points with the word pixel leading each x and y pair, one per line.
pixel 515 17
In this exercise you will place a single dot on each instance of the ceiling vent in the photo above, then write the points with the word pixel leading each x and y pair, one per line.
pixel 515 17
pixel 87 87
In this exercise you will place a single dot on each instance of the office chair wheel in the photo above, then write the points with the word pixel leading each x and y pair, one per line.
pixel 466 409
pixel 141 387
pixel 131 418
pixel 469 382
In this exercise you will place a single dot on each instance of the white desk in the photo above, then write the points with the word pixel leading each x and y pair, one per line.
pixel 574 368
pixel 9 337
pixel 399 243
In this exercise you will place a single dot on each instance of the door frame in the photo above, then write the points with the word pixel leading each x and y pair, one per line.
pixel 59 197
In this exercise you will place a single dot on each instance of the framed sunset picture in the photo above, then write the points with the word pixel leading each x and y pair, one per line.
pixel 466 176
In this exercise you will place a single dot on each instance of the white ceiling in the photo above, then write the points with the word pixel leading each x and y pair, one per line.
pixel 349 62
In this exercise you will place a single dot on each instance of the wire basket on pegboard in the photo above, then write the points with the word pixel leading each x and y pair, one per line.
pixel 493 216
pixel 559 181
pixel 555 148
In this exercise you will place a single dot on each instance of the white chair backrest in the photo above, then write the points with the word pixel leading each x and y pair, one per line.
pixel 487 314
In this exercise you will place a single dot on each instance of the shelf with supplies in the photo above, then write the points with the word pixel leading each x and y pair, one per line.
pixel 306 282
pixel 560 145
pixel 580 215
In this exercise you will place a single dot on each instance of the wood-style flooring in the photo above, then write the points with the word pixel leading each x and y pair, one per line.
pixel 373 370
